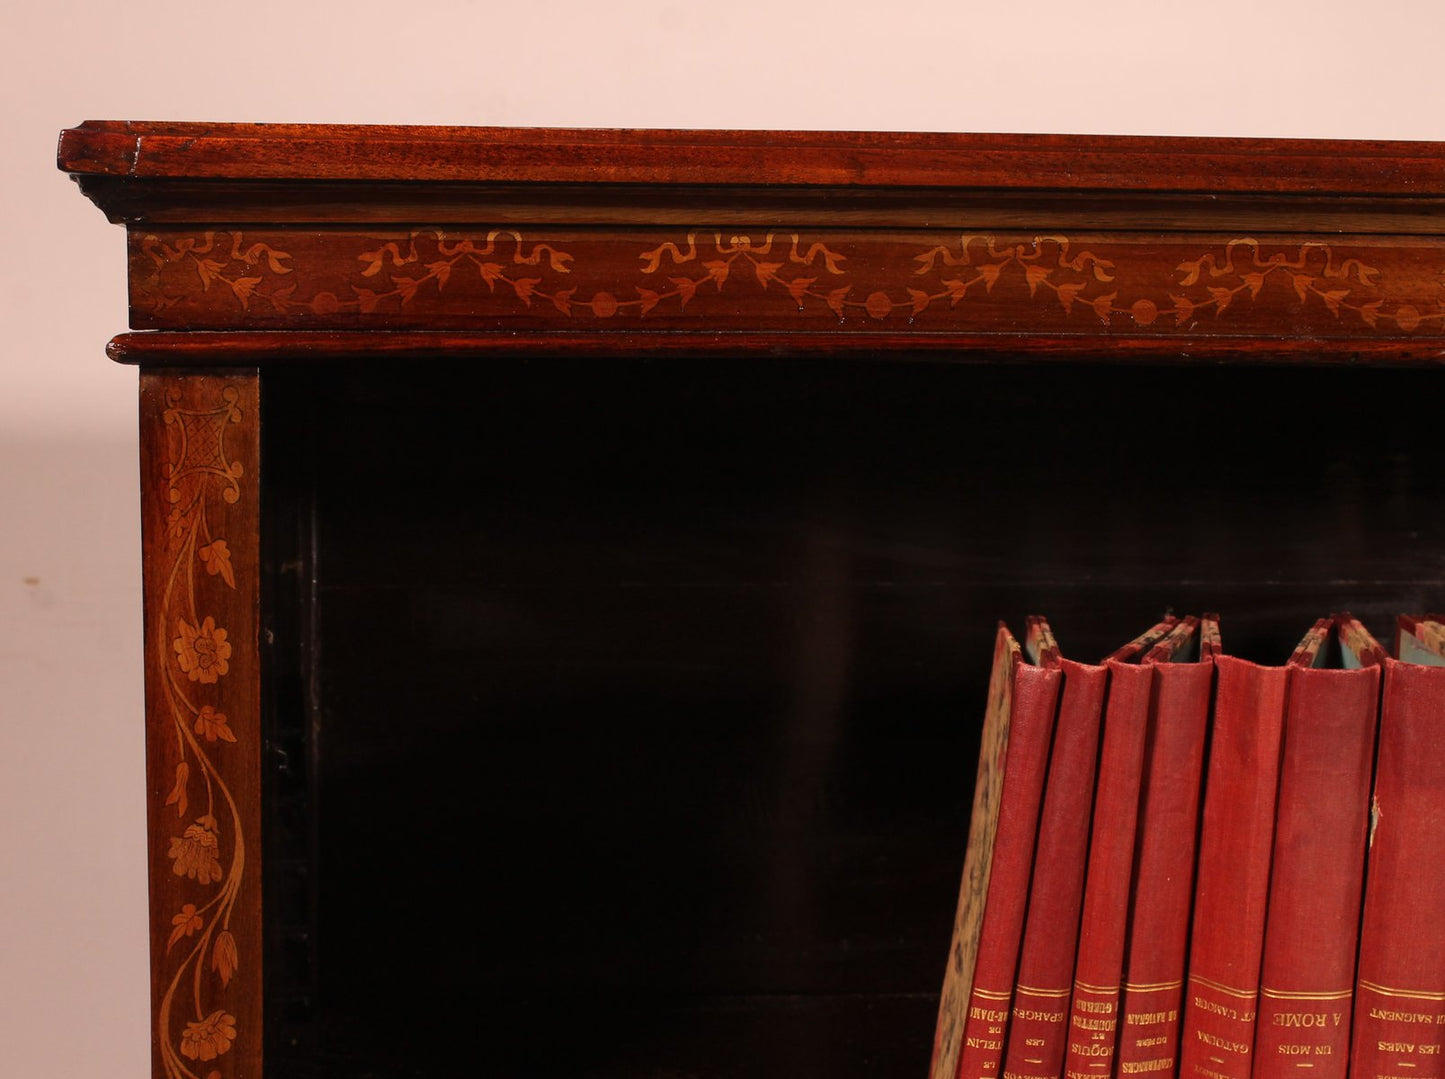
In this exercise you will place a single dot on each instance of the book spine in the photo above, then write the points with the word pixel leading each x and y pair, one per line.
pixel 1315 884
pixel 1164 876
pixel 1236 838
pixel 1400 989
pixel 1094 1005
pixel 973 885
pixel 1038 1025
pixel 1036 694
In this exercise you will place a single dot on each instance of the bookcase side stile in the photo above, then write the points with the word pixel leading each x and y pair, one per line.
pixel 200 507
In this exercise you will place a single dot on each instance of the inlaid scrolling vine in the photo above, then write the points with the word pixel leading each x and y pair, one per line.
pixel 1113 283
pixel 195 653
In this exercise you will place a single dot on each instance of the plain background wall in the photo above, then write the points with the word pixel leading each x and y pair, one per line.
pixel 73 975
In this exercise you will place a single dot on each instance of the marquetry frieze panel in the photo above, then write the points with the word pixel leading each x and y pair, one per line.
pixel 1187 284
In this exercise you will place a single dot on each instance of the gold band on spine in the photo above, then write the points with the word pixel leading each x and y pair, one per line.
pixel 1243 994
pixel 992 996
pixel 1033 992
pixel 1409 994
pixel 1278 994
pixel 1114 989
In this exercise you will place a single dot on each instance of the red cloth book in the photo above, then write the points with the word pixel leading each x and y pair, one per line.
pixel 1399 1025
pixel 1038 1025
pixel 1013 758
pixel 1312 927
pixel 1236 841
pixel 1098 970
pixel 1148 1039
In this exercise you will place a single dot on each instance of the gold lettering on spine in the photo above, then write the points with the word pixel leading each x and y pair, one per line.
pixel 1217 1042
pixel 1163 1064
pixel 1143 1019
pixel 1038 1016
pixel 1414 1018
pixel 1391 1016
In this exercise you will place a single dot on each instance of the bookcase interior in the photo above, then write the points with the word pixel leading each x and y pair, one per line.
pixel 642 738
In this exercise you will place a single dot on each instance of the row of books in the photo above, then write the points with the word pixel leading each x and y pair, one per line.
pixel 1184 863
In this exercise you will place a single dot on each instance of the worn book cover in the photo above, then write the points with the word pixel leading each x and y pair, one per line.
pixel 1163 889
pixel 1098 970
pixel 1317 876
pixel 1400 985
pixel 1038 1022
pixel 1236 840
pixel 1013 758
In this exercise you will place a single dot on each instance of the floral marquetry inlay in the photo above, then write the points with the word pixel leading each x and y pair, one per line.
pixel 976 282
pixel 205 739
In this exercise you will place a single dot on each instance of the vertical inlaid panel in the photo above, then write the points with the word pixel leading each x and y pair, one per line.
pixel 200 508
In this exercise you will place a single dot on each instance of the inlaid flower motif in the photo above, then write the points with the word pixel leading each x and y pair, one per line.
pixel 224 958
pixel 216 557
pixel 197 853
pixel 210 1037
pixel 186 923
pixel 178 796
pixel 202 651
pixel 176 522
pixel 212 725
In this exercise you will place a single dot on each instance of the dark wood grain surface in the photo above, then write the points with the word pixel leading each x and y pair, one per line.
pixel 778 158
pixel 162 348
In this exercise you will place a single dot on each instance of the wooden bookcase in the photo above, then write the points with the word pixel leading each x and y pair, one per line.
pixel 572 557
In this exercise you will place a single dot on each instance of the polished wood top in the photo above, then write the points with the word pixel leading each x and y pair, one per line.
pixel 201 151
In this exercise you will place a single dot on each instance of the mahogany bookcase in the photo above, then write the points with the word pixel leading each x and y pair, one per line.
pixel 571 558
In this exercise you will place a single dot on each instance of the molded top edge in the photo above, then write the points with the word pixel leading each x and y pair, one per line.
pixel 337 152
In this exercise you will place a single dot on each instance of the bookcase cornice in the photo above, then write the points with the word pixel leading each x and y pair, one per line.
pixel 952 238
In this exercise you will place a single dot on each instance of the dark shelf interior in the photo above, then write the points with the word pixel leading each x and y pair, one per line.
pixel 641 742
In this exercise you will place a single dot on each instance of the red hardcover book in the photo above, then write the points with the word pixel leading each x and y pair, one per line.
pixel 1099 965
pixel 1038 1025
pixel 1164 860
pixel 1315 884
pixel 1013 757
pixel 1236 840
pixel 1400 986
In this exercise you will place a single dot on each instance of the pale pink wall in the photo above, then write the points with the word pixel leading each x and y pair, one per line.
pixel 72 884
